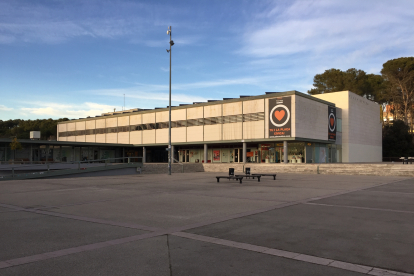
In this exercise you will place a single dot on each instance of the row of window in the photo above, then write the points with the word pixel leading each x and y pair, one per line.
pixel 259 116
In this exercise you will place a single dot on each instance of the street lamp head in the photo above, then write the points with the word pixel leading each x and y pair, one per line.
pixel 168 32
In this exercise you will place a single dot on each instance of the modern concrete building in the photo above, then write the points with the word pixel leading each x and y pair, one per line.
pixel 276 127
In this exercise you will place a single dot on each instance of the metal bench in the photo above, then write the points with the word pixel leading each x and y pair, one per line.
pixel 249 175
pixel 264 174
pixel 240 178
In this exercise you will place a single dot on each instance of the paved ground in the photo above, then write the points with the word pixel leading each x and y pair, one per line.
pixel 188 224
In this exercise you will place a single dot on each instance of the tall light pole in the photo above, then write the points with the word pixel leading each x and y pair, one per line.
pixel 169 109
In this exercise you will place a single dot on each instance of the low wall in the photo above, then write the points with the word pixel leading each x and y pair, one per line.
pixel 384 169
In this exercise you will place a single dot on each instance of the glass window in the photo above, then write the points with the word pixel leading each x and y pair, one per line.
pixel 339 125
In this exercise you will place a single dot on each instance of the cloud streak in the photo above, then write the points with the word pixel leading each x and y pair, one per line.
pixel 315 28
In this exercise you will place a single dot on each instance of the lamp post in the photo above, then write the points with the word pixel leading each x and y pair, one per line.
pixel 169 109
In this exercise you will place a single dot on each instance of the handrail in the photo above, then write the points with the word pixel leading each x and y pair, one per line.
pixel 182 164
pixel 75 162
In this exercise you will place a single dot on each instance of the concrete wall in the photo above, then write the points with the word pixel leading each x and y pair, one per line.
pixel 310 119
pixel 361 127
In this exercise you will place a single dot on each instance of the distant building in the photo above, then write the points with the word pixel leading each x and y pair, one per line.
pixel 272 128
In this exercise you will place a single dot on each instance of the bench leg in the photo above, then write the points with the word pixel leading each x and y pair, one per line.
pixel 258 179
pixel 241 180
pixel 274 177
pixel 218 179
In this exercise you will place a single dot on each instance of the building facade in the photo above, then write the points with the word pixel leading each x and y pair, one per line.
pixel 276 127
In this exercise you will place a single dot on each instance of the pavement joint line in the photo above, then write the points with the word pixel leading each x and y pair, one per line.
pixel 87 219
pixel 230 197
pixel 386 192
pixel 294 256
pixel 360 207
pixel 78 249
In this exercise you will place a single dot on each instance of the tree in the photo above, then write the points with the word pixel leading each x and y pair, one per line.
pixel 357 81
pixel 329 81
pixel 396 141
pixel 21 128
pixel 399 73
pixel 15 145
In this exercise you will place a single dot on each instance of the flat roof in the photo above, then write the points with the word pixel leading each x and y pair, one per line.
pixel 64 143
pixel 198 104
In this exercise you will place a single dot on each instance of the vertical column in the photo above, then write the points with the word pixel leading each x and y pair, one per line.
pixel 47 154
pixel 172 154
pixel 205 154
pixel 144 155
pixel 31 153
pixel 74 154
pixel 123 155
pixel 244 152
pixel 285 152
pixel 60 153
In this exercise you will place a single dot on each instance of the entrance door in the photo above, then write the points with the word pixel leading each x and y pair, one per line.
pixel 236 155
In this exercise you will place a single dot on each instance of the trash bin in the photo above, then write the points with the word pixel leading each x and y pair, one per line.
pixel 231 171
pixel 247 170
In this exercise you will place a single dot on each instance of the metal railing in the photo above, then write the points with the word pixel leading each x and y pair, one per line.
pixel 42 168
pixel 182 165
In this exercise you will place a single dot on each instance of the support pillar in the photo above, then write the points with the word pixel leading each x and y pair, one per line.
pixel 74 155
pixel 60 153
pixel 244 152
pixel 205 154
pixel 47 154
pixel 31 153
pixel 285 152
pixel 144 155
pixel 123 155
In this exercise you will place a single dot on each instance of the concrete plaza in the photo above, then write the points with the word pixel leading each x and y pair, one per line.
pixel 188 224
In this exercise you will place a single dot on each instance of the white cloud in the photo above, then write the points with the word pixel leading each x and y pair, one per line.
pixel 55 110
pixel 351 28
pixel 5 108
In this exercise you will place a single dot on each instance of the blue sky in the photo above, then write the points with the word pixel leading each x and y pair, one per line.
pixel 78 58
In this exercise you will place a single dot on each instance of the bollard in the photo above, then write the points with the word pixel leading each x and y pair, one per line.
pixel 48 167
pixel 13 172
pixel 317 170
pixel 79 165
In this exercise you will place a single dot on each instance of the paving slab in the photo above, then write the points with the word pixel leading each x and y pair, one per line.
pixel 165 210
pixel 189 257
pixel 25 234
pixel 269 192
pixel 366 237
pixel 406 186
pixel 373 199
pixel 67 196
pixel 144 257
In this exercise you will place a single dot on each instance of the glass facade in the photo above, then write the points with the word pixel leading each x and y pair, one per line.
pixel 267 153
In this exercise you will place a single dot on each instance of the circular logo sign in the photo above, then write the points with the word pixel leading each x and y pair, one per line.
pixel 332 123
pixel 279 115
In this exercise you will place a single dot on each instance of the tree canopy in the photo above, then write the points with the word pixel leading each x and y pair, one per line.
pixel 21 128
pixel 357 81
pixel 399 75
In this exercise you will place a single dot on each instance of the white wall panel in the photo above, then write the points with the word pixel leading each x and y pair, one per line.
pixel 148 136
pixel 212 132
pixel 123 138
pixel 232 108
pixel 194 133
pixel 136 137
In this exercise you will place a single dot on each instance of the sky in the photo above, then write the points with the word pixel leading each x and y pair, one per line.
pixel 79 58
